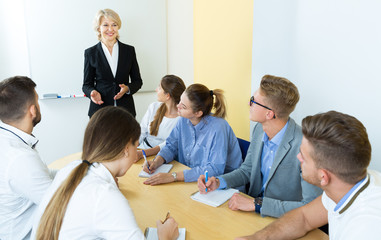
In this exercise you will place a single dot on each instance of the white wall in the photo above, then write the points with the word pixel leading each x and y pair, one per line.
pixel 63 121
pixel 180 39
pixel 331 50
pixel 13 51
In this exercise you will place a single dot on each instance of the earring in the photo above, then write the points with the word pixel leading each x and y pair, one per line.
pixel 126 154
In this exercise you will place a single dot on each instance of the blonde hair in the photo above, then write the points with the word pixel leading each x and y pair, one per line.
pixel 202 100
pixel 174 86
pixel 108 133
pixel 106 13
pixel 281 95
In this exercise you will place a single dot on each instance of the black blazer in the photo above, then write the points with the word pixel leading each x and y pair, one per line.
pixel 98 76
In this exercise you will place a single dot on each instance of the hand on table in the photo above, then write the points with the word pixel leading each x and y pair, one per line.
pixel 168 230
pixel 159 178
pixel 251 237
pixel 212 184
pixel 96 97
pixel 241 202
pixel 123 90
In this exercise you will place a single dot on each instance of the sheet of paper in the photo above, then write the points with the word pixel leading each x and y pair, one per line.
pixel 165 168
pixel 151 234
pixel 214 198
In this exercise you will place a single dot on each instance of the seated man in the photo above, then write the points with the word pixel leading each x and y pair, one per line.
pixel 334 155
pixel 24 178
pixel 271 166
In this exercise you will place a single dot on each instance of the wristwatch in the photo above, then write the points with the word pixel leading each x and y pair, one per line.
pixel 174 175
pixel 258 204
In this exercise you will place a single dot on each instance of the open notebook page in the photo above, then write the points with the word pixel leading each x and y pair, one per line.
pixel 214 198
pixel 165 168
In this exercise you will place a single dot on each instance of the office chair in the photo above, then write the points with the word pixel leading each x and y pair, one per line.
pixel 243 145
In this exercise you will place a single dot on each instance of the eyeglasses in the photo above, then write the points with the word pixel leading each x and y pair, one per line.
pixel 252 101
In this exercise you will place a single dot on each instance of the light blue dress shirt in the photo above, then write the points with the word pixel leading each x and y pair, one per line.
pixel 267 158
pixel 268 153
pixel 210 145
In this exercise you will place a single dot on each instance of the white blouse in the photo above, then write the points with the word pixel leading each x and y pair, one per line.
pixel 165 128
pixel 112 59
pixel 97 209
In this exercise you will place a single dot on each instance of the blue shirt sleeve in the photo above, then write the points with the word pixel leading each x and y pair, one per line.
pixel 222 183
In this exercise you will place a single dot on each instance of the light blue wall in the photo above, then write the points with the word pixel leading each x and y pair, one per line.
pixel 331 50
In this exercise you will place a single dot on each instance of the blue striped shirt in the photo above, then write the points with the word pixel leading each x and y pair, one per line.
pixel 210 145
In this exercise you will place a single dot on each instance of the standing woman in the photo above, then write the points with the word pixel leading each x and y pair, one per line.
pixel 109 65
pixel 200 140
pixel 161 117
pixel 84 201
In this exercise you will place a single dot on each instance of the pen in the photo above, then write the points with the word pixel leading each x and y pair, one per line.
pixel 145 160
pixel 206 180
pixel 166 217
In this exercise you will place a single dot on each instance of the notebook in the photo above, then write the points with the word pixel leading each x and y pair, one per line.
pixel 165 168
pixel 214 198
pixel 151 234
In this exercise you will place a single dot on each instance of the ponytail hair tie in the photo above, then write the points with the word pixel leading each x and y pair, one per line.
pixel 87 162
pixel 211 93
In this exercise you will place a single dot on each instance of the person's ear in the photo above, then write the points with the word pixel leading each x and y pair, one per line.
pixel 324 177
pixel 32 110
pixel 199 114
pixel 167 96
pixel 270 114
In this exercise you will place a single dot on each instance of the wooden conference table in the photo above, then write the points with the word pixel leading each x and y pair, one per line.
pixel 201 221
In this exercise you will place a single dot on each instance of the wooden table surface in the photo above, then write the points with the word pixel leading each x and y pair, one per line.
pixel 201 221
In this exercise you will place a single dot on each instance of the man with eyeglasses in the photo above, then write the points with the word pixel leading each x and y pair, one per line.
pixel 271 167
pixel 335 154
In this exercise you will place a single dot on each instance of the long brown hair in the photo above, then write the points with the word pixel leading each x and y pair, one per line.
pixel 174 86
pixel 202 100
pixel 106 136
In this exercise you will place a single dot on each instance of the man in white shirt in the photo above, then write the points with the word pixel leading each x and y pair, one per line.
pixel 334 155
pixel 24 178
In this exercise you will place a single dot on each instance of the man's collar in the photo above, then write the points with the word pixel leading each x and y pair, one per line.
pixel 28 139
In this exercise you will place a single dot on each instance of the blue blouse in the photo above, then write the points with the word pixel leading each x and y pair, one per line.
pixel 210 145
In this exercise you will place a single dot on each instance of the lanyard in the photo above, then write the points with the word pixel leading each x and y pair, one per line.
pixel 18 136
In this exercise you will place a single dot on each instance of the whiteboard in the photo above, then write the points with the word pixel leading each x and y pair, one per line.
pixel 59 31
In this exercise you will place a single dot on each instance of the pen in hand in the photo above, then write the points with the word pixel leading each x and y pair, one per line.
pixel 166 218
pixel 206 180
pixel 145 160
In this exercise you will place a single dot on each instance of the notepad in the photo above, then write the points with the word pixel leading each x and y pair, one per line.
pixel 151 234
pixel 165 168
pixel 215 198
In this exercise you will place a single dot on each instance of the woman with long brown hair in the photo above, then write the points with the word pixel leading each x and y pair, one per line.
pixel 202 140
pixel 84 201
pixel 161 117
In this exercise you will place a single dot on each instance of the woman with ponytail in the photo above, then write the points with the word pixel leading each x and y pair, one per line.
pixel 202 140
pixel 161 117
pixel 84 201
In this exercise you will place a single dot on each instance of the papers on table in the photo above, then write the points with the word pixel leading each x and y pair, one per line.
pixel 165 168
pixel 214 198
pixel 151 234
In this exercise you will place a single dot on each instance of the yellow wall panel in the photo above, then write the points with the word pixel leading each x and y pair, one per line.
pixel 223 32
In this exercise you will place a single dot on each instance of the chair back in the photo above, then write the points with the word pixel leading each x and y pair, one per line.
pixel 244 146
